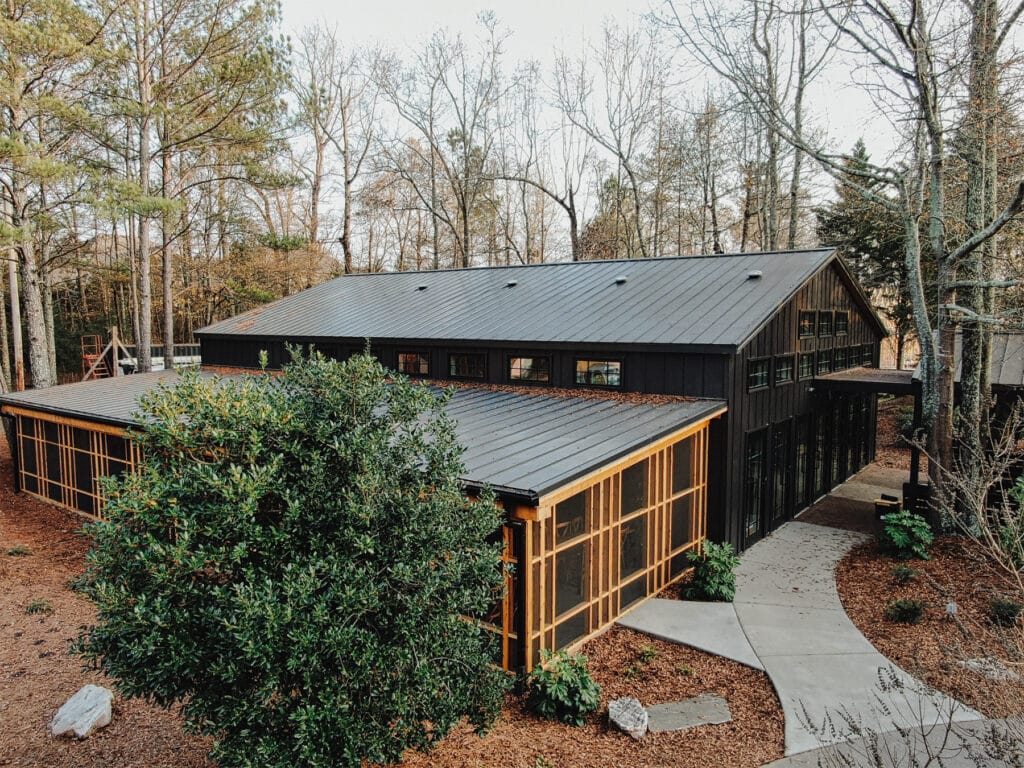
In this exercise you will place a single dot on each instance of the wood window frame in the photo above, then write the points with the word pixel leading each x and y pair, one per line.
pixel 810 315
pixel 775 370
pixel 424 359
pixel 530 356
pixel 767 361
pixel 460 377
pixel 819 368
pixel 836 331
pixel 597 359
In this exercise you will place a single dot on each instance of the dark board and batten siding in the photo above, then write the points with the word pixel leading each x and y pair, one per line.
pixel 783 404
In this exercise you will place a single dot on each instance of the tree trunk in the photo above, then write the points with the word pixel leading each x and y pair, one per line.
pixel 5 353
pixel 167 257
pixel 35 317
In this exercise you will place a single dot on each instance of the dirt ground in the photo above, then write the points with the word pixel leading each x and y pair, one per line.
pixel 957 572
pixel 41 552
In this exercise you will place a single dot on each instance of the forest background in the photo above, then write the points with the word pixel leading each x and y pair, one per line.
pixel 168 163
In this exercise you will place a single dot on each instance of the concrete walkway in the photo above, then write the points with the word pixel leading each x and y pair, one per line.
pixel 789 621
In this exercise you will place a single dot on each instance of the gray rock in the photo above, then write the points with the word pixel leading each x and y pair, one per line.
pixel 86 710
pixel 993 669
pixel 629 716
pixel 679 715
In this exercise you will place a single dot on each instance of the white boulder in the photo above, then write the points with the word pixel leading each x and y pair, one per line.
pixel 82 713
pixel 629 716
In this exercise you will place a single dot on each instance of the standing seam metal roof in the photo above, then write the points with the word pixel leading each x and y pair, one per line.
pixel 702 300
pixel 527 443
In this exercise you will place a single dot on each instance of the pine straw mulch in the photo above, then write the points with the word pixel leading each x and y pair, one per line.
pixel 957 572
pixel 891 450
pixel 520 740
pixel 37 675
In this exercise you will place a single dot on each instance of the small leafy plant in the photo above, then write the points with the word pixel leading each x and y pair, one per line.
pixel 905 535
pixel 648 654
pixel 39 606
pixel 713 573
pixel 19 550
pixel 685 669
pixel 1004 612
pixel 905 611
pixel 561 688
pixel 904 574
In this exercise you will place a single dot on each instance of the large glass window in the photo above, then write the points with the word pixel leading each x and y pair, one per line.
pixel 529 369
pixel 413 363
pixel 824 323
pixel 781 472
pixel 842 323
pixel 757 374
pixel 467 365
pixel 842 359
pixel 599 373
pixel 634 488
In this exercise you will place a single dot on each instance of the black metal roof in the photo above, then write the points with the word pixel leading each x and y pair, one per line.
pixel 523 442
pixel 711 301
pixel 861 379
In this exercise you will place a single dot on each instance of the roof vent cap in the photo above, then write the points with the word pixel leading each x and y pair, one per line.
pixel 755 274
pixel 421 287
pixel 621 279
pixel 511 283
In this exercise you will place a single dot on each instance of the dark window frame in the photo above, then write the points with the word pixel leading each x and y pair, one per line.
pixel 598 359
pixel 807 314
pixel 823 354
pixel 469 377
pixel 836 331
pixel 822 314
pixel 801 376
pixel 531 356
pixel 767 374
pixel 425 356
pixel 775 370
pixel 844 352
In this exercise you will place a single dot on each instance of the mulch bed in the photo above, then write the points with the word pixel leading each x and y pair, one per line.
pixel 37 675
pixel 520 740
pixel 891 450
pixel 957 572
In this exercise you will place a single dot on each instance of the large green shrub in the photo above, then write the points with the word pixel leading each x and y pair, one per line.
pixel 713 577
pixel 905 535
pixel 561 688
pixel 293 563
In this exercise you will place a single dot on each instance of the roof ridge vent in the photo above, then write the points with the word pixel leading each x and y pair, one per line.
pixel 621 279
pixel 755 274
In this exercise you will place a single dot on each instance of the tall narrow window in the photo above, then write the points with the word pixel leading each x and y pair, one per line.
pixel 824 361
pixel 413 363
pixel 824 323
pixel 807 324
pixel 842 323
pixel 756 480
pixel 806 365
pixel 842 359
pixel 784 369
pixel 467 365
pixel 529 369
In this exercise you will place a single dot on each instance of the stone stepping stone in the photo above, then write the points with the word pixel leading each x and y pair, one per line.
pixel 679 715
pixel 993 669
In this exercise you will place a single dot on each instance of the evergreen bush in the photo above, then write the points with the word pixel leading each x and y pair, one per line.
pixel 293 563
pixel 905 611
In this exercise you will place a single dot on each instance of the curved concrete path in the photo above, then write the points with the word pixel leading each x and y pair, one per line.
pixel 789 621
